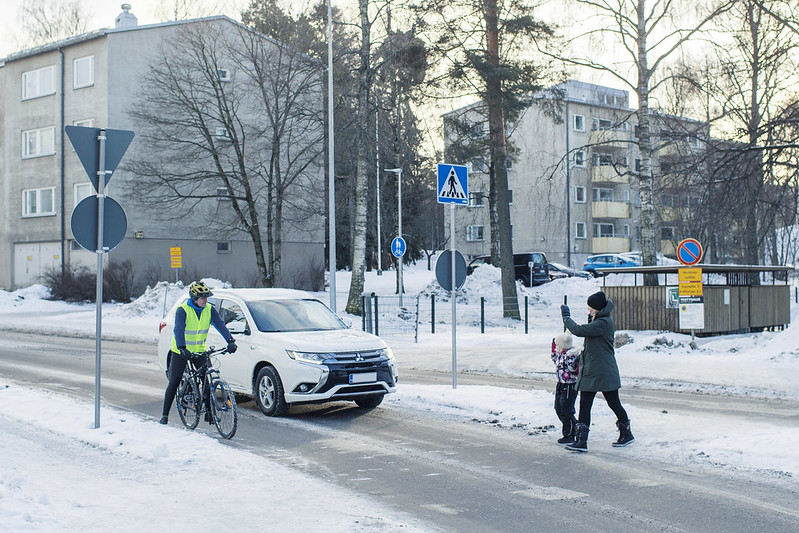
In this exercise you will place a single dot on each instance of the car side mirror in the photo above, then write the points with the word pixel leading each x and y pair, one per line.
pixel 347 321
pixel 238 326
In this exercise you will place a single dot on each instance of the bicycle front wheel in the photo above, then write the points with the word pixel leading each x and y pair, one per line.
pixel 187 401
pixel 223 408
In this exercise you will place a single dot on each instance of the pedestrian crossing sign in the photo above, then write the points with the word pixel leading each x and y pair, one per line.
pixel 453 184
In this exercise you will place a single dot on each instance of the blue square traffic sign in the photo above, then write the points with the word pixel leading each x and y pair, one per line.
pixel 453 184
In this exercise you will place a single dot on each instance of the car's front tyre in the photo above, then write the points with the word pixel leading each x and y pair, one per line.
pixel 268 392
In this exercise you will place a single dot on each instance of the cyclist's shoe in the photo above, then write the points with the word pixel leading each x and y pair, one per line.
pixel 164 420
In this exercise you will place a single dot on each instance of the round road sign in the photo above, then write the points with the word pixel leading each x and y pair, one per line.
pixel 689 252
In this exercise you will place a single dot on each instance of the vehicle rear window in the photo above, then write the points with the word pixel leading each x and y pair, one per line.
pixel 293 315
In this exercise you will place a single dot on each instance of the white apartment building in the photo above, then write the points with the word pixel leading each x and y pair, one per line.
pixel 96 80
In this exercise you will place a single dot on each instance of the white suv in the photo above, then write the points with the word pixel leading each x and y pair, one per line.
pixel 293 349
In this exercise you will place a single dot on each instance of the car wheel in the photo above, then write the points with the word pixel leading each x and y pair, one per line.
pixel 370 402
pixel 268 392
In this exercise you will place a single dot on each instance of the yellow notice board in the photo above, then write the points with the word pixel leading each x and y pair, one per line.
pixel 689 275
pixel 690 289
pixel 176 259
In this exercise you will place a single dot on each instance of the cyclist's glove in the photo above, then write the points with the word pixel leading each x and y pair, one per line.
pixel 231 346
pixel 185 352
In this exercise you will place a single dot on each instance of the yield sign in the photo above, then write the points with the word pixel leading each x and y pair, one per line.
pixel 87 146
pixel 453 185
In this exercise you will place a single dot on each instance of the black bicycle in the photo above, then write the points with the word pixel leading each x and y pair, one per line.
pixel 219 406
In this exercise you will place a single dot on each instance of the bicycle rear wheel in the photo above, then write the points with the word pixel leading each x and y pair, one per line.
pixel 223 408
pixel 187 401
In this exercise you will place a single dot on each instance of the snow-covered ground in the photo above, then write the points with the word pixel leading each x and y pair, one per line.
pixel 58 473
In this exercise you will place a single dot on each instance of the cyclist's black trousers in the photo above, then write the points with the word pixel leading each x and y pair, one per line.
pixel 177 365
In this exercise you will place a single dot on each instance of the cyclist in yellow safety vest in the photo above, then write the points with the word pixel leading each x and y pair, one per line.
pixel 193 319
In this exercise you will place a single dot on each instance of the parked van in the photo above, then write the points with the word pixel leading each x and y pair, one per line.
pixel 527 266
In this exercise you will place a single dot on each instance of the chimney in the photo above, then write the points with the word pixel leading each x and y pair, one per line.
pixel 126 19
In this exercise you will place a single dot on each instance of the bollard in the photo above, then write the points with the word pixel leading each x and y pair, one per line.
pixel 526 328
pixel 482 314
pixel 432 313
pixel 363 312
pixel 377 314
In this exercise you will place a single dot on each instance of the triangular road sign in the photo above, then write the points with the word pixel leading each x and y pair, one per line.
pixel 86 145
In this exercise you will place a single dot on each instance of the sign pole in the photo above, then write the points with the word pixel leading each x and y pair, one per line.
pixel 452 296
pixel 99 291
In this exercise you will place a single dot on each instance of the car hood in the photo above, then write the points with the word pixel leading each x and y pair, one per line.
pixel 340 340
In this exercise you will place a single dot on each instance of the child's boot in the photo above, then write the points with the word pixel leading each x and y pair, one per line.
pixel 581 442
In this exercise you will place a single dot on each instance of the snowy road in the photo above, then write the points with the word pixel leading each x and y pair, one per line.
pixel 457 474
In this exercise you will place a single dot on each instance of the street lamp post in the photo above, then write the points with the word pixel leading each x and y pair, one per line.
pixel 398 171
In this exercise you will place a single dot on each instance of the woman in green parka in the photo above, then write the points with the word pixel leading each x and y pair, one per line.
pixel 598 369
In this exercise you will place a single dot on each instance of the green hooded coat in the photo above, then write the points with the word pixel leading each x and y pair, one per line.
pixel 598 369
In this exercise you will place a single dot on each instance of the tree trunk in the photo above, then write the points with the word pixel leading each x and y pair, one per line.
pixel 359 222
pixel 496 124
pixel 647 179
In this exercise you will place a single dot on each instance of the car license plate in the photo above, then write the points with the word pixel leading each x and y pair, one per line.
pixel 363 377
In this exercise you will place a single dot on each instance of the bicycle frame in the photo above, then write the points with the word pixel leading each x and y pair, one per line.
pixel 200 392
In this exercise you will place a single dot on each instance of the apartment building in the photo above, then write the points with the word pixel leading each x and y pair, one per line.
pixel 574 190
pixel 96 80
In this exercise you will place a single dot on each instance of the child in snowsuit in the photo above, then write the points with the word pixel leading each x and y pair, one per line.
pixel 567 367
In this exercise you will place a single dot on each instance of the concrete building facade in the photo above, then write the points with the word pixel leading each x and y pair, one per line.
pixel 573 183
pixel 96 80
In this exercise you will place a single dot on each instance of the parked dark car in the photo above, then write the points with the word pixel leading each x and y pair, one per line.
pixel 557 270
pixel 521 266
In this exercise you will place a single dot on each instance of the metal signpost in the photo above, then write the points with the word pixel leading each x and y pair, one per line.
pixel 691 299
pixel 453 189
pixel 98 223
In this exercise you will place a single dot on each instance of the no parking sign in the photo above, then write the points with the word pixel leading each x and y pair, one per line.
pixel 689 252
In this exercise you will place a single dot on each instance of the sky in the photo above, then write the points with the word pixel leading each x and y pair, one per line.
pixel 48 439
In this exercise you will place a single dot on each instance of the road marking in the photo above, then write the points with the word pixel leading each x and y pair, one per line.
pixel 551 493
pixel 443 509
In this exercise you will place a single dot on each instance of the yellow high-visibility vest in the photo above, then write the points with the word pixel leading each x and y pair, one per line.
pixel 196 328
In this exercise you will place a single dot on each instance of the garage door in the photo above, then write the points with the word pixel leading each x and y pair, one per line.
pixel 32 259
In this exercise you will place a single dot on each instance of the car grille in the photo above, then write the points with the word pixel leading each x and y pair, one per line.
pixel 359 357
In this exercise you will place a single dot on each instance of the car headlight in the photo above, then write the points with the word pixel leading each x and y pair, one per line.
pixel 310 357
pixel 388 354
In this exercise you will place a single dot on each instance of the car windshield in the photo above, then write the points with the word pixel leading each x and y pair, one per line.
pixel 293 315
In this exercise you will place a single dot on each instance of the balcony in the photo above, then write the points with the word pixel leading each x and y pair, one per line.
pixel 610 138
pixel 608 174
pixel 610 245
pixel 610 210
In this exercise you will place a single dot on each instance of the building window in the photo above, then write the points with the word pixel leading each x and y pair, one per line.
pixel 579 122
pixel 222 193
pixel 38 202
pixel 475 233
pixel 603 195
pixel 579 195
pixel 579 230
pixel 81 191
pixel 478 165
pixel 603 230
pixel 667 233
pixel 84 123
pixel 627 230
pixel 83 72
pixel 476 199
pixel 510 197
pixel 603 160
pixel 601 124
pixel 39 82
pixel 39 142
pixel 221 134
pixel 223 74
pixel 223 247
pixel 579 158
pixel 668 200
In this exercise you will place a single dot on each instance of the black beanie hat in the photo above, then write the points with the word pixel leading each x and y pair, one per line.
pixel 597 301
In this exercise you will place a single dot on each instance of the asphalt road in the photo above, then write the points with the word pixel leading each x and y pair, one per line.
pixel 456 475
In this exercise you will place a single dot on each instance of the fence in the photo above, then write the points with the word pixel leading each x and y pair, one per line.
pixel 382 315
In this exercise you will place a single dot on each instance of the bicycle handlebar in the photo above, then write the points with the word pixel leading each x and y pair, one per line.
pixel 211 351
